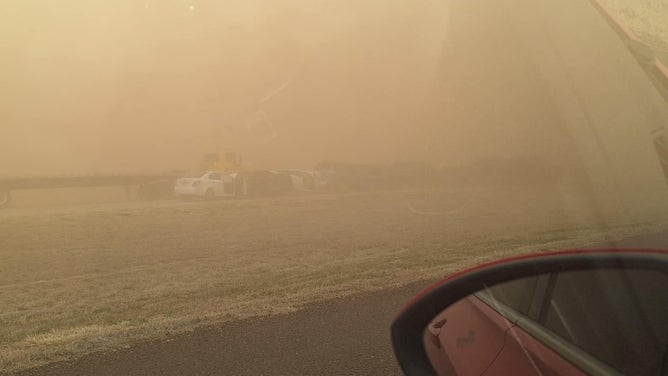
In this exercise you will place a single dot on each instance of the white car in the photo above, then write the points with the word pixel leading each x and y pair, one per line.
pixel 206 184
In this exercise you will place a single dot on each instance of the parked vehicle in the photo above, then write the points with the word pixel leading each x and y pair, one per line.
pixel 224 161
pixel 262 182
pixel 351 176
pixel 207 184
pixel 303 180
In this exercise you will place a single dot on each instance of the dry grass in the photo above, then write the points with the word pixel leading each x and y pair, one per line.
pixel 75 280
pixel 648 19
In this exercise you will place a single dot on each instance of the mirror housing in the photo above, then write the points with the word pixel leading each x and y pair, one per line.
pixel 408 327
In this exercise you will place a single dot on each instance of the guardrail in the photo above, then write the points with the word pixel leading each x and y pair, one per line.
pixel 150 185
pixel 80 181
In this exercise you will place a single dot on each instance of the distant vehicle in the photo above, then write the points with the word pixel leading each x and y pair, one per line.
pixel 339 176
pixel 206 184
pixel 303 180
pixel 228 162
pixel 262 183
pixel 210 184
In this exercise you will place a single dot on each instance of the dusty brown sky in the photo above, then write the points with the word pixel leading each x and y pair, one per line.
pixel 147 85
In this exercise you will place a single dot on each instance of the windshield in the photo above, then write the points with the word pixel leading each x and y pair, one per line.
pixel 420 138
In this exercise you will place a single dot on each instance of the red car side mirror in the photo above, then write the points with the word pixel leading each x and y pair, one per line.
pixel 568 312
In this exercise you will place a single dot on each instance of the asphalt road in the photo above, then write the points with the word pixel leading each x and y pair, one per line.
pixel 337 337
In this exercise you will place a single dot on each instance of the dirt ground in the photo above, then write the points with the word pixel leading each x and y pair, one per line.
pixel 78 277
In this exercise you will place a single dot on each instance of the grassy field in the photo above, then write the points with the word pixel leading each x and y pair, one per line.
pixel 96 277
pixel 648 19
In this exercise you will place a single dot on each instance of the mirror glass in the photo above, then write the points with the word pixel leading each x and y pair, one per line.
pixel 604 321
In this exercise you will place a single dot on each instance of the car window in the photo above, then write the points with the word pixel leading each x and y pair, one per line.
pixel 615 316
pixel 215 176
pixel 516 294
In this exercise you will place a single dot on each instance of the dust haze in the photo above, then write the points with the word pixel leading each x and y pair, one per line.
pixel 455 132
pixel 147 86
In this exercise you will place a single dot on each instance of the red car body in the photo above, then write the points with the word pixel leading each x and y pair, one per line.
pixel 486 342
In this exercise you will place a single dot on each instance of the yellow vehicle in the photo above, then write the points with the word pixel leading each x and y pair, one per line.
pixel 223 162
